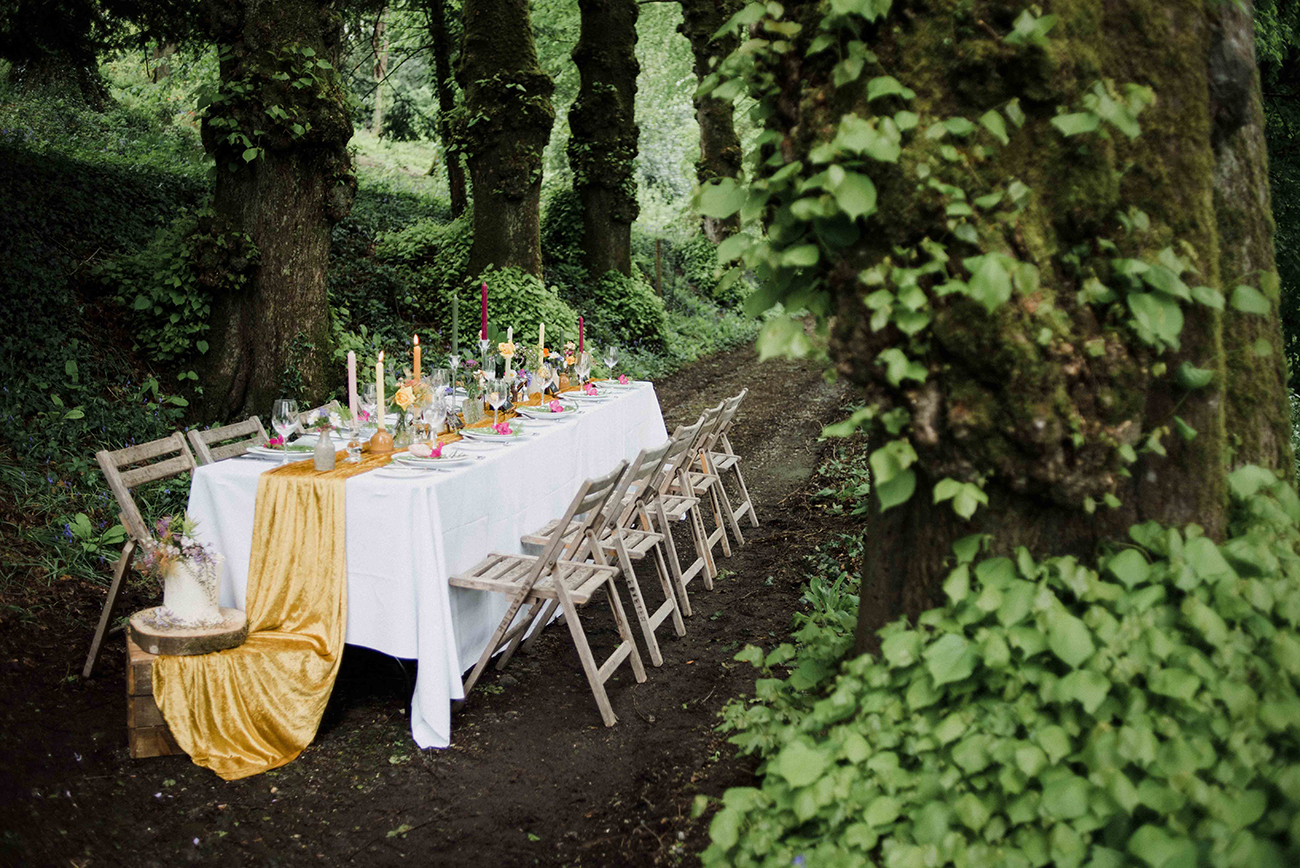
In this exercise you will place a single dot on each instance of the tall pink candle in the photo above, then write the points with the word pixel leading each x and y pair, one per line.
pixel 579 334
pixel 352 383
pixel 483 329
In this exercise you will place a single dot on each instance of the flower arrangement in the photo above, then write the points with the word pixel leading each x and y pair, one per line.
pixel 173 541
pixel 323 423
pixel 506 349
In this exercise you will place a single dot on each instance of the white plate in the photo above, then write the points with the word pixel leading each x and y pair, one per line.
pixel 487 435
pixel 272 452
pixel 540 414
pixel 583 396
pixel 451 459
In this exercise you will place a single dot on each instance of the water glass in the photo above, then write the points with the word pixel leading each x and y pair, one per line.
pixel 284 418
pixel 611 358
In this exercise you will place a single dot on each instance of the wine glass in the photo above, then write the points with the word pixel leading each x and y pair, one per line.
pixel 284 418
pixel 496 399
pixel 583 367
pixel 611 358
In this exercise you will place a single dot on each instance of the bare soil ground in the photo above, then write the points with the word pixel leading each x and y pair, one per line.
pixel 532 777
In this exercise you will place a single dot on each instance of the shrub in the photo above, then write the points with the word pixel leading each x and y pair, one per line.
pixel 515 299
pixel 1141 713
pixel 627 311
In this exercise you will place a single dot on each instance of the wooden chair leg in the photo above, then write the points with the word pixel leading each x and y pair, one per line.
pixel 702 544
pixel 624 630
pixel 638 601
pixel 547 612
pixel 114 591
pixel 721 533
pixel 674 565
pixel 670 596
pixel 504 657
pixel 493 644
pixel 744 491
pixel 730 513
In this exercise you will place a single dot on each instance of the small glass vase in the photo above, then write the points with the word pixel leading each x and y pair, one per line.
pixel 402 431
pixel 472 411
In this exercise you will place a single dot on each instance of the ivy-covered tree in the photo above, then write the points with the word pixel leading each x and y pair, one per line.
pixel 278 129
pixel 1043 246
pixel 720 152
pixel 603 133
pixel 503 128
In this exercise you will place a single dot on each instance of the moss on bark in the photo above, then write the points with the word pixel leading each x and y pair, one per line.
pixel 1041 401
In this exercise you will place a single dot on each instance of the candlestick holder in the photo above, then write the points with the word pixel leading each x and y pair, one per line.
pixel 381 442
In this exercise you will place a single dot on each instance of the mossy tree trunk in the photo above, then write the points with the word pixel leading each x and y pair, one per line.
pixel 283 179
pixel 444 86
pixel 603 143
pixel 1050 401
pixel 503 129
pixel 379 46
pixel 720 153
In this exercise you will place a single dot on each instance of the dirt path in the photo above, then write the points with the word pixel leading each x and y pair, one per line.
pixel 532 778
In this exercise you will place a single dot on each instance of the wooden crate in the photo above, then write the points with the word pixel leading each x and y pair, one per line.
pixel 147 732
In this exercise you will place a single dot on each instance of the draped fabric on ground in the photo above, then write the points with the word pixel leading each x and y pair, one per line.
pixel 253 708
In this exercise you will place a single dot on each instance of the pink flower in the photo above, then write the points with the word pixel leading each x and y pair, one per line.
pixel 275 441
pixel 502 428
pixel 436 451
pixel 363 415
pixel 591 389
pixel 556 407
pixel 623 380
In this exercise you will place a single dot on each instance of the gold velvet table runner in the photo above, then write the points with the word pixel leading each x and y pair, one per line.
pixel 250 709
pixel 253 708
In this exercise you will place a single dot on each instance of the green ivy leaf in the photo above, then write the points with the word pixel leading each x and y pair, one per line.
pixel 800 764
pixel 1160 850
pixel 1068 637
pixel 1158 317
pixel 1191 377
pixel 951 658
pixel 1130 567
pixel 882 811
pixel 721 199
pixel 1076 123
pixel 992 121
pixel 733 247
pixel 251 154
pixel 856 195
pixel 800 256
pixel 887 85
pixel 1066 797
pixel 990 282
pixel 897 490
pixel 898 367
pixel 1247 299
pixel 1085 686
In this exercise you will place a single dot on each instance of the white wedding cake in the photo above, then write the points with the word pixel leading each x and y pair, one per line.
pixel 190 593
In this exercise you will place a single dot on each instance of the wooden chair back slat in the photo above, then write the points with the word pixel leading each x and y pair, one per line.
pixel 245 434
pixel 592 489
pixel 121 482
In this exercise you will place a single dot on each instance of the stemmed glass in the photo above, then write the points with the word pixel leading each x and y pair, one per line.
pixel 370 403
pixel 434 415
pixel 496 398
pixel 454 361
pixel 583 367
pixel 284 418
pixel 611 358
pixel 490 385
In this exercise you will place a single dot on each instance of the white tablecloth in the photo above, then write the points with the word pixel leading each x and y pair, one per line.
pixel 405 536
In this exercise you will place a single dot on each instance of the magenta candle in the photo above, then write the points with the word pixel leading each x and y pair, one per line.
pixel 483 328
pixel 579 334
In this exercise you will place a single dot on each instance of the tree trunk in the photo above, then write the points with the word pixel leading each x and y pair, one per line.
pixel 266 249
pixel 1049 399
pixel 503 130
pixel 53 45
pixel 720 154
pixel 379 45
pixel 443 84
pixel 603 143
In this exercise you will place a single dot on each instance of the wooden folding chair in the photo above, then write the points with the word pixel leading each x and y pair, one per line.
pixel 234 439
pixel 560 576
pixel 701 483
pixel 620 538
pixel 122 476
pixel 709 445
pixel 723 459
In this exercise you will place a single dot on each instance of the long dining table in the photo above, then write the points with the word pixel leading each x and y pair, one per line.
pixel 407 533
